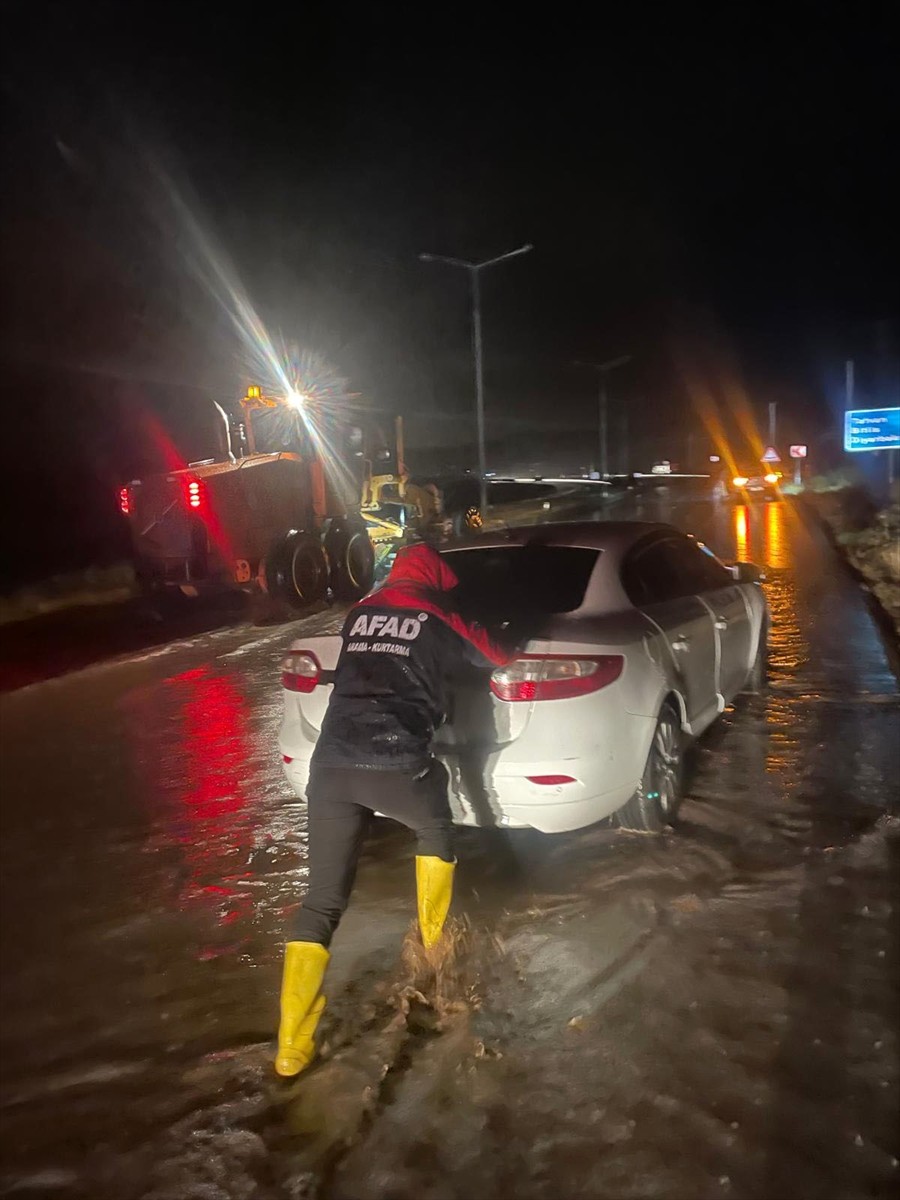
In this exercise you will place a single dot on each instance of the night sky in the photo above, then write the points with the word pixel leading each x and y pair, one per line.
pixel 716 196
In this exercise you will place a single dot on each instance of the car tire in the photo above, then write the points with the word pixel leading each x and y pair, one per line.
pixel 297 570
pixel 759 672
pixel 655 802
pixel 351 557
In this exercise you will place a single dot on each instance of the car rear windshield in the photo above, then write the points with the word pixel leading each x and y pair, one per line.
pixel 500 583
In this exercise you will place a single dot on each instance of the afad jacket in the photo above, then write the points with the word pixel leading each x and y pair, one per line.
pixel 400 643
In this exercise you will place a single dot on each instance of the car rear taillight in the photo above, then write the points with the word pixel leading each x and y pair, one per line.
pixel 555 676
pixel 194 493
pixel 550 780
pixel 125 501
pixel 300 671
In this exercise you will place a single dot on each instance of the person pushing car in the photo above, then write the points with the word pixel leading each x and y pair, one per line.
pixel 374 754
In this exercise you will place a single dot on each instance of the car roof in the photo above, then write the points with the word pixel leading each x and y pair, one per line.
pixel 612 537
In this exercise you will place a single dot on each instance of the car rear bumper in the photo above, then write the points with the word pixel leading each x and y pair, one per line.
pixel 517 803
pixel 500 792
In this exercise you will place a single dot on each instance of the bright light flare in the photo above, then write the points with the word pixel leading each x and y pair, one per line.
pixel 309 383
pixel 711 372
pixel 282 373
pixel 740 481
pixel 771 477
pixel 220 278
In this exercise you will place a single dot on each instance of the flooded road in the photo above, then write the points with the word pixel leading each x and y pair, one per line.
pixel 708 1014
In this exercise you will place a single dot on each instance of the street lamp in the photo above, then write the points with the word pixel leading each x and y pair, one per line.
pixel 603 369
pixel 474 270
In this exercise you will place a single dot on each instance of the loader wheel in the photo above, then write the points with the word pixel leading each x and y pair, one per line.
pixel 352 559
pixel 297 570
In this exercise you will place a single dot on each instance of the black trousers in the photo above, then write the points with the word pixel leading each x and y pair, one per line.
pixel 341 802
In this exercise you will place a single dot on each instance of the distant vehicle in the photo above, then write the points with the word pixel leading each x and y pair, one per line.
pixel 280 515
pixel 755 485
pixel 635 638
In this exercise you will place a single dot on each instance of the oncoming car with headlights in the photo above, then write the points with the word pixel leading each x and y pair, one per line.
pixel 756 485
pixel 634 638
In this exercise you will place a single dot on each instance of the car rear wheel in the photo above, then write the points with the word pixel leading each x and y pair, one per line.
pixel 297 570
pixel 759 672
pixel 655 802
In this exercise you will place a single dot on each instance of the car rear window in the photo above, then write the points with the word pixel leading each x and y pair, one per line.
pixel 498 583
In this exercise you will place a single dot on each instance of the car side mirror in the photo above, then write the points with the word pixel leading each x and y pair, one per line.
pixel 745 572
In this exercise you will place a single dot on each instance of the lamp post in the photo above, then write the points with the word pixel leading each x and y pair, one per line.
pixel 475 269
pixel 603 369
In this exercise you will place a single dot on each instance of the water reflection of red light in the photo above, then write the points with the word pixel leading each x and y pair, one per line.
pixel 214 723
pixel 215 754
pixel 192 750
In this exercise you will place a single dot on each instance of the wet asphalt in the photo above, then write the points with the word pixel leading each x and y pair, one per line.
pixel 712 1013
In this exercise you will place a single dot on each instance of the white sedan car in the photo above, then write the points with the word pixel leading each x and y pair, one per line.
pixel 634 639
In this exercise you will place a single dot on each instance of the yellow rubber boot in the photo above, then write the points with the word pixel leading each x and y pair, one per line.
pixel 434 891
pixel 301 1005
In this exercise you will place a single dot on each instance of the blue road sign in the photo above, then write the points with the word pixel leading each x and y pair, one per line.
pixel 871 429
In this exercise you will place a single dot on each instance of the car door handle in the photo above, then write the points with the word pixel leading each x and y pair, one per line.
pixel 720 623
pixel 681 643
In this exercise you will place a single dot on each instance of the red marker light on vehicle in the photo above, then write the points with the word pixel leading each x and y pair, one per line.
pixel 125 501
pixel 555 676
pixel 194 493
pixel 550 780
pixel 300 671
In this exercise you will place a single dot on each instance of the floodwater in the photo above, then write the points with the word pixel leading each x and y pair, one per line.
pixel 712 1013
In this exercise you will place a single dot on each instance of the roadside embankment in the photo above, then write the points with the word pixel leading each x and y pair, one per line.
pixel 870 540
